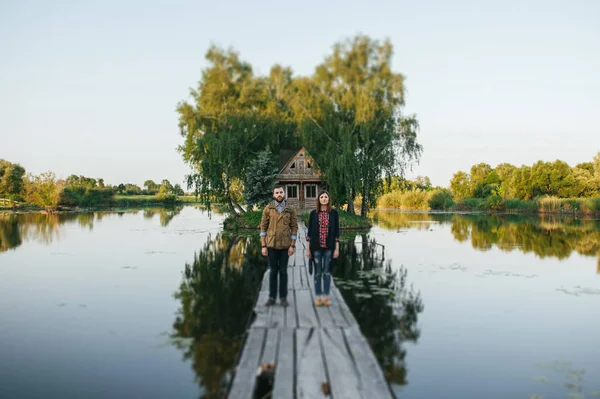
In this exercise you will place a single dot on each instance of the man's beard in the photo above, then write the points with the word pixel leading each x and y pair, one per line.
pixel 279 200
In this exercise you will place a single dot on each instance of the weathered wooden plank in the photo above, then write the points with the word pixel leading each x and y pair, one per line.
pixel 343 307
pixel 308 279
pixel 265 281
pixel 245 376
pixel 296 272
pixel 325 318
pixel 372 380
pixel 336 313
pixel 277 316
pixel 311 370
pixel 300 253
pixel 306 310
pixel 285 368
pixel 271 344
pixel 342 370
pixel 290 311
pixel 261 311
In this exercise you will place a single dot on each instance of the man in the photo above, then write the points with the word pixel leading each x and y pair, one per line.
pixel 278 229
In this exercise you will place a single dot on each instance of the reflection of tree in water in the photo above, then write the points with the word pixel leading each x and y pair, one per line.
pixel 217 296
pixel 379 299
pixel 10 237
pixel 400 220
pixel 166 214
pixel 41 227
pixel 546 236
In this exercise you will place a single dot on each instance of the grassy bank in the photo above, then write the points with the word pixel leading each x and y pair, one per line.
pixel 547 205
pixel 251 221
pixel 152 200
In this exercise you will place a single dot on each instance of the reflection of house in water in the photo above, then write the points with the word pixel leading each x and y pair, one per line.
pixel 598 264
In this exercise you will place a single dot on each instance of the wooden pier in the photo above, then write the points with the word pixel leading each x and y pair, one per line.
pixel 319 352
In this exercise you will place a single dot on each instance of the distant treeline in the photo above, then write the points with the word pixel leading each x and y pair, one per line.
pixel 552 187
pixel 45 190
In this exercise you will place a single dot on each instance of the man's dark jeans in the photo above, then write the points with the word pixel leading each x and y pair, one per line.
pixel 278 262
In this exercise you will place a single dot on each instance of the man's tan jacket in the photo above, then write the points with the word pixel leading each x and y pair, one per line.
pixel 280 227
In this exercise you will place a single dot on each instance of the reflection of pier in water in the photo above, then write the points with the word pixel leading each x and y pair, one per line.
pixel 294 339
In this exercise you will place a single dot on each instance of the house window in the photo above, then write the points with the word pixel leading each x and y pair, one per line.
pixel 310 191
pixel 292 191
pixel 308 165
pixel 293 165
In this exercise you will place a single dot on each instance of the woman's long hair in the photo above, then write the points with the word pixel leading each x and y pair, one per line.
pixel 318 207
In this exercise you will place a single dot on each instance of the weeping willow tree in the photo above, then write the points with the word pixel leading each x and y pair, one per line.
pixel 347 114
pixel 353 123
pixel 233 116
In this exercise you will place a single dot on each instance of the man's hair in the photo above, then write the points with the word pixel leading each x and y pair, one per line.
pixel 278 186
pixel 328 207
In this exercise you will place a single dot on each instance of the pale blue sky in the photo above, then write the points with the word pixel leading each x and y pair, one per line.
pixel 90 87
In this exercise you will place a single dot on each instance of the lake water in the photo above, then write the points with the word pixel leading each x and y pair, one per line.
pixel 155 303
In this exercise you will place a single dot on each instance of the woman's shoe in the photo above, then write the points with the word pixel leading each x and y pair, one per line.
pixel 326 301
pixel 318 301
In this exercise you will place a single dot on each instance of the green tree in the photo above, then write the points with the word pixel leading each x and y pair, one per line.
pixel 177 190
pixel 43 190
pixel 355 127
pixel 11 180
pixel 151 187
pixel 584 183
pixel 521 186
pixel 479 175
pixel 259 179
pixel 166 187
pixel 504 172
pixel 589 166
pixel 460 185
pixel 233 116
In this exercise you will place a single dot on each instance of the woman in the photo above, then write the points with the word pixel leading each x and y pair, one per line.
pixel 323 237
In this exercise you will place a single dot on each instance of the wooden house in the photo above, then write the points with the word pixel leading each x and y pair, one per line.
pixel 301 177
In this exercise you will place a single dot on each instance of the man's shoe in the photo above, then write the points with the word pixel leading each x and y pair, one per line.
pixel 284 303
pixel 270 302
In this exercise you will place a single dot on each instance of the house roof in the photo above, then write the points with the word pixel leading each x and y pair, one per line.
pixel 285 155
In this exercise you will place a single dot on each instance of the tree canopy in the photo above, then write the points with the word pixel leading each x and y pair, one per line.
pixel 347 114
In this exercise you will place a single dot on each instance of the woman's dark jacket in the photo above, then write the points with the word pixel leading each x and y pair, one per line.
pixel 333 232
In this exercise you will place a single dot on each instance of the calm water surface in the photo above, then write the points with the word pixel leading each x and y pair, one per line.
pixel 155 303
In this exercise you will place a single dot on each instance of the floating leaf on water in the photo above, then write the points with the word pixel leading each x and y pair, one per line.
pixel 574 377
pixel 573 387
pixel 595 394
pixel 62 304
pixel 536 396
pixel 575 395
pixel 383 292
pixel 363 295
pixel 577 371
pixel 541 378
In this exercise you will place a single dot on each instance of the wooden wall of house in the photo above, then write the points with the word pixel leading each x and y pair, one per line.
pixel 301 202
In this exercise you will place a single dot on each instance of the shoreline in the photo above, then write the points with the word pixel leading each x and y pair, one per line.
pixel 147 204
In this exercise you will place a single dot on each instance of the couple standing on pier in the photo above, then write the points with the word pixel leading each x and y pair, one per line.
pixel 278 229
